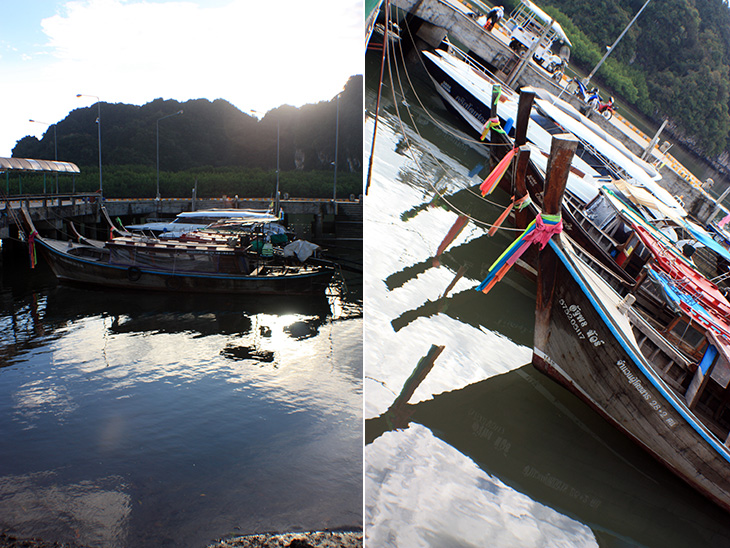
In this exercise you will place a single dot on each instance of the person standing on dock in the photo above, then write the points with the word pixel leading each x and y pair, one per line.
pixel 493 17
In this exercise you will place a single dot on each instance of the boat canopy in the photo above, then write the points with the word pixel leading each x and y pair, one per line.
pixel 38 166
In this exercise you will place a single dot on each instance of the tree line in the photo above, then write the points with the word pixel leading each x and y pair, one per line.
pixel 140 181
pixel 210 140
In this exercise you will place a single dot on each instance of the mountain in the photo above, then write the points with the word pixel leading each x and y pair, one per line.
pixel 215 134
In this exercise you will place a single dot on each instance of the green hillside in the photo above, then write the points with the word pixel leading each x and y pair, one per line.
pixel 673 63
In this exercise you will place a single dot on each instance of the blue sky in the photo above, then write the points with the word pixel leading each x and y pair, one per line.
pixel 256 54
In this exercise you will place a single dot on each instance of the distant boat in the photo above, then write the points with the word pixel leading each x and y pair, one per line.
pixel 188 221
pixel 231 266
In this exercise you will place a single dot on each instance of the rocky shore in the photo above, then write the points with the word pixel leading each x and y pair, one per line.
pixel 319 539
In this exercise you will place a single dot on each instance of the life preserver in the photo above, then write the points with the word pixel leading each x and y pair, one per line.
pixel 134 273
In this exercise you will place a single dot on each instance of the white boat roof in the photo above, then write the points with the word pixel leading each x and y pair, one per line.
pixel 640 173
pixel 253 214
pixel 585 188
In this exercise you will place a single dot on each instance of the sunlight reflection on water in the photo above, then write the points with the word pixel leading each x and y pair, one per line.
pixel 185 421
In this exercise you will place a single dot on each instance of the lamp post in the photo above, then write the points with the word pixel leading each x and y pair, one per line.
pixel 337 140
pixel 55 144
pixel 276 200
pixel 98 125
pixel 276 204
pixel 158 149
pixel 588 79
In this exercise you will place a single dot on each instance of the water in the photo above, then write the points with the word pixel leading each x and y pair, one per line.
pixel 489 452
pixel 146 420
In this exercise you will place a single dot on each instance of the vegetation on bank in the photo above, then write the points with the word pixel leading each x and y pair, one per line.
pixel 135 181
pixel 673 63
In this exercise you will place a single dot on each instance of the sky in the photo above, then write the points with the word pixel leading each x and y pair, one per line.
pixel 256 54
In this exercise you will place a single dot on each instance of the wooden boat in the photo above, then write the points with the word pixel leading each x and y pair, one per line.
pixel 131 262
pixel 592 340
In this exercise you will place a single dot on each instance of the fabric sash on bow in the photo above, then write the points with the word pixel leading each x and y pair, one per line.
pixel 518 204
pixel 492 180
pixel 539 231
pixel 31 249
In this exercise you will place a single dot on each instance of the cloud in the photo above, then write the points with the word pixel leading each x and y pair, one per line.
pixel 264 53
pixel 257 55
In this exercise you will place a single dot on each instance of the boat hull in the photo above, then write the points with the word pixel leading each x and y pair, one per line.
pixel 580 341
pixel 473 110
pixel 76 270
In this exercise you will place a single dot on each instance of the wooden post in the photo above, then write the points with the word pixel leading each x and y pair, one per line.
pixel 527 97
pixel 562 151
pixel 522 217
pixel 561 154
pixel 496 92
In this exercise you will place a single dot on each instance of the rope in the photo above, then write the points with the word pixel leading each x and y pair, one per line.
pixel 393 67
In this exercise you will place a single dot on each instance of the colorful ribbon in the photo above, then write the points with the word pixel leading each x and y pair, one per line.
pixel 539 231
pixel 491 124
pixel 519 205
pixel 493 179
pixel 523 202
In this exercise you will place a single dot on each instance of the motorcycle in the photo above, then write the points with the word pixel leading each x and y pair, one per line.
pixel 594 99
pixel 607 109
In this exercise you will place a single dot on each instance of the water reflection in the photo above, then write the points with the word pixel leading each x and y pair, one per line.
pixel 542 441
pixel 97 511
pixel 141 419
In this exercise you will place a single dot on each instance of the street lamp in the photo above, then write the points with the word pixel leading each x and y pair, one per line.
pixel 55 144
pixel 337 139
pixel 158 149
pixel 276 201
pixel 98 125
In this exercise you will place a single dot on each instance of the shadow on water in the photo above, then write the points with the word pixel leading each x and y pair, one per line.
pixel 542 441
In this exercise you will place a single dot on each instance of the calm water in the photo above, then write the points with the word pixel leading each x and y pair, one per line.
pixel 145 420
pixel 489 452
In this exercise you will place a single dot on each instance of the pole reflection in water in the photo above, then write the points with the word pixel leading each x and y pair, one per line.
pixel 486 451
pixel 140 419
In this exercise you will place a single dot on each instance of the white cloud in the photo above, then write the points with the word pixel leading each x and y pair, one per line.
pixel 258 55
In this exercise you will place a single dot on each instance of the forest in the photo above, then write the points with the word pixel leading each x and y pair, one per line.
pixel 673 63
pixel 226 150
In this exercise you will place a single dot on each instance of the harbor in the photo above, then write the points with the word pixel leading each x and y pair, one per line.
pixel 446 353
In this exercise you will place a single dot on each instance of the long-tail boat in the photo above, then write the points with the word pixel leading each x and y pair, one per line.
pixel 596 343
pixel 231 266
